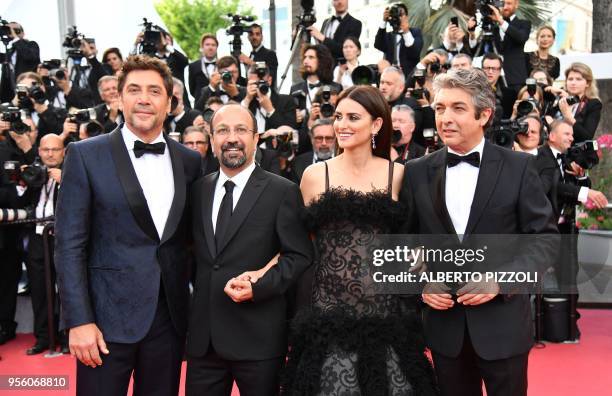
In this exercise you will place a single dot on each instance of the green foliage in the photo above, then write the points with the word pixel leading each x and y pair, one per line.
pixel 187 20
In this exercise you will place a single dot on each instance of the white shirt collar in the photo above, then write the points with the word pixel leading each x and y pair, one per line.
pixel 240 180
pixel 479 148
pixel 258 48
pixel 129 137
pixel 178 117
pixel 554 151
pixel 532 151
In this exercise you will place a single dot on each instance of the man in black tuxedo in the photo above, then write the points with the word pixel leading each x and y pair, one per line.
pixel 510 35
pixel 402 48
pixel 226 89
pixel 492 65
pixel 201 70
pixel 121 264
pixel 23 54
pixel 271 110
pixel 323 139
pixel 109 113
pixel 336 29
pixel 180 117
pixel 406 148
pixel 473 187
pixel 317 70
pixel 238 324
pixel 260 53
pixel 197 139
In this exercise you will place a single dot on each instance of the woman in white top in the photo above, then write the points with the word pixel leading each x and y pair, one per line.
pixel 351 49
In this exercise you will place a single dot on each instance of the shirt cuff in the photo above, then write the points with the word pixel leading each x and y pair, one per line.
pixel 408 39
pixel 421 66
pixel 21 190
pixel 383 25
pixel 504 26
pixel 583 194
pixel 473 42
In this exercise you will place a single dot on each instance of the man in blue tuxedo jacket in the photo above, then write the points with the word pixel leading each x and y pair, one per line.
pixel 121 257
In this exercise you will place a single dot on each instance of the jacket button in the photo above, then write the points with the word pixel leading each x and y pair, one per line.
pixel 216 267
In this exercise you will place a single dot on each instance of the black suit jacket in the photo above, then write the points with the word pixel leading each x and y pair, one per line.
pixel 28 56
pixel 512 50
pixel 508 200
pixel 207 93
pixel 300 163
pixel 110 260
pixel 177 62
pixel 284 111
pixel 587 120
pixel 408 56
pixel 268 56
pixel 265 222
pixel 197 79
pixel 348 26
pixel 186 121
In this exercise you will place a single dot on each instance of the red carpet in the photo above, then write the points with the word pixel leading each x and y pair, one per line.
pixel 557 369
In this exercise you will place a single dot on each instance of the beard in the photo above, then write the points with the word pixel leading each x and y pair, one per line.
pixel 233 159
pixel 324 154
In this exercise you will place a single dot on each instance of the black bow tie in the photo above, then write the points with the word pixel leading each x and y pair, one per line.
pixel 560 156
pixel 454 159
pixel 336 18
pixel 141 148
pixel 507 20
pixel 313 86
pixel 206 64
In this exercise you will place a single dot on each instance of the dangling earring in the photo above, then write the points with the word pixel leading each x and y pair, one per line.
pixel 373 142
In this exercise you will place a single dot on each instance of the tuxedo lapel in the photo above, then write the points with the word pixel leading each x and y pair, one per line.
pixel 324 26
pixel 131 187
pixel 248 198
pixel 488 176
pixel 207 197
pixel 437 190
pixel 178 202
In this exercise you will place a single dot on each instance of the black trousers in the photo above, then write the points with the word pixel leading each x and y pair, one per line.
pixel 155 362
pixel 463 375
pixel 10 271
pixel 211 375
pixel 38 288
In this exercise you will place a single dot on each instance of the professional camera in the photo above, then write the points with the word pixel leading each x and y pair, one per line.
pixel 72 41
pixel 431 143
pixel 152 35
pixel 236 30
pixel 395 13
pixel 299 97
pixel 584 154
pixel 505 133
pixel 261 69
pixel 419 78
pixel 87 117
pixel 25 93
pixel 8 214
pixel 6 36
pixel 207 114
pixel 15 116
pixel 437 67
pixel 35 174
pixel 527 106
pixel 327 109
pixel 226 77
pixel 308 17
pixel 486 12
pixel 284 143
pixel 365 75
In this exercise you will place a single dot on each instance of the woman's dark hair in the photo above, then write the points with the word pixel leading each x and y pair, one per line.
pixel 376 105
pixel 354 40
pixel 112 50
pixel 325 63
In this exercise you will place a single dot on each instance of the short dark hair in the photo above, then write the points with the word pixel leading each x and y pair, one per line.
pixel 253 69
pixel 214 100
pixel 256 25
pixel 226 61
pixel 206 36
pixel 493 56
pixel 355 41
pixel 325 62
pixel 145 62
pixel 252 116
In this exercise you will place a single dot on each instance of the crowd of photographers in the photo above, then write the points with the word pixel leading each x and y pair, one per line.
pixel 49 104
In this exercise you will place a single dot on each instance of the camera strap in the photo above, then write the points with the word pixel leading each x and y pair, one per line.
pixel 48 189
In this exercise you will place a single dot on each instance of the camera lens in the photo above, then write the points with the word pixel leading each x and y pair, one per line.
pixel 226 77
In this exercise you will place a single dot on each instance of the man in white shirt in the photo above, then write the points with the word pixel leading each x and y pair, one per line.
pixel 121 257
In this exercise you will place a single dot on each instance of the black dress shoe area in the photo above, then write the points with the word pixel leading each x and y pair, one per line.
pixel 6 336
pixel 36 349
pixel 65 350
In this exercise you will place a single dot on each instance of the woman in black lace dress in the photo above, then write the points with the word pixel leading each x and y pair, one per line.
pixel 349 341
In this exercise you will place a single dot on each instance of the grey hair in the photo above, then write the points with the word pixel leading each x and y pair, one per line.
pixel 104 79
pixel 557 123
pixel 393 69
pixel 475 83
pixel 179 83
pixel 406 108
pixel 440 52
pixel 461 55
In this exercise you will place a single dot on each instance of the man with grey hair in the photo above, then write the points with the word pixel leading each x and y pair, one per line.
pixel 109 113
pixel 181 117
pixel 461 61
pixel 323 141
pixel 402 117
pixel 477 332
pixel 393 87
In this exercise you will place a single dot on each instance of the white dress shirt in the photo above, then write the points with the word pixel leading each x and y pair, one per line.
pixel 44 208
pixel 333 26
pixel 154 173
pixel 240 181
pixel 504 26
pixel 208 70
pixel 460 185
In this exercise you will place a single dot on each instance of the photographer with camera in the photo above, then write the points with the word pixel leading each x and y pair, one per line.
pixel 109 112
pixel 22 54
pixel 351 49
pixel 260 53
pixel 31 96
pixel 580 105
pixel 271 109
pixel 223 83
pixel 337 28
pixel 316 70
pixel 434 63
pixel 492 65
pixel 196 138
pixel 201 70
pixel 180 117
pixel 403 146
pixel 455 40
pixel 402 46
pixel 65 94
pixel 529 141
pixel 461 61
pixel 16 149
pixel 323 140
pixel 42 197
pixel 529 100
pixel 323 104
pixel 566 185
pixel 510 35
